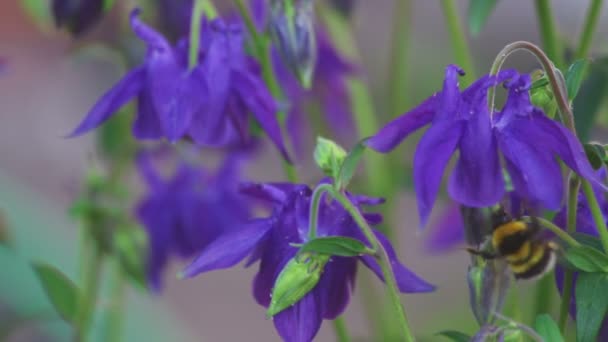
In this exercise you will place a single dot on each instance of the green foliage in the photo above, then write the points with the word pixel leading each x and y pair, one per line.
pixel 574 77
pixel 298 277
pixel 596 153
pixel 591 304
pixel 546 327
pixel 592 93
pixel 59 289
pixel 335 245
pixel 587 259
pixel 349 166
pixel 329 156
pixel 455 336
pixel 130 247
pixel 479 12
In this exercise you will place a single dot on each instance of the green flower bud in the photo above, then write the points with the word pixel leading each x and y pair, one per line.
pixel 329 156
pixel 298 277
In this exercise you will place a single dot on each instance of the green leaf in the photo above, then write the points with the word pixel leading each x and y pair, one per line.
pixel 591 304
pixel 546 327
pixel 455 336
pixel 591 95
pixel 298 277
pixel 588 240
pixel 349 166
pixel 329 156
pixel 479 11
pixel 574 77
pixel 596 153
pixel 60 290
pixel 335 245
pixel 130 247
pixel 587 259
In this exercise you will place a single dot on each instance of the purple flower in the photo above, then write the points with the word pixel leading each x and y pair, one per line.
pixel 271 240
pixel 77 16
pixel 184 213
pixel 209 104
pixel 174 16
pixel 528 141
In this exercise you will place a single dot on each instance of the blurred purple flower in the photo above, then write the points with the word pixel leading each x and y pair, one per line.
pixel 209 104
pixel 448 231
pixel 77 16
pixel 527 139
pixel 174 16
pixel 270 241
pixel 184 213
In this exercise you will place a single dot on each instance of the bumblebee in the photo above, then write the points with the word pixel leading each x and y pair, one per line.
pixel 520 244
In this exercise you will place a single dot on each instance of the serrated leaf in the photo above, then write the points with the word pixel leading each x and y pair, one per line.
pixel 479 11
pixel 455 336
pixel 546 327
pixel 574 77
pixel 349 166
pixel 591 304
pixel 335 245
pixel 59 289
pixel 587 259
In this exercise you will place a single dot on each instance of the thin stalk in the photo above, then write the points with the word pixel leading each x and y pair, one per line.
pixel 596 213
pixel 548 31
pixel 572 207
pixel 458 39
pixel 115 313
pixel 340 329
pixel 593 14
pixel 556 230
pixel 314 208
pixel 90 266
pixel 261 51
pixel 383 261
pixel 195 32
pixel 557 86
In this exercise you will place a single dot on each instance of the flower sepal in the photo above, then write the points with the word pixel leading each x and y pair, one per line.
pixel 336 245
pixel 299 276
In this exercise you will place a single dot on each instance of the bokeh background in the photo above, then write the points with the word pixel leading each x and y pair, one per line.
pixel 46 89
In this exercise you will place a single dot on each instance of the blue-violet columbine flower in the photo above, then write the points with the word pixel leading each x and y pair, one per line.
pixel 528 141
pixel 271 240
pixel 184 213
pixel 209 104
pixel 77 16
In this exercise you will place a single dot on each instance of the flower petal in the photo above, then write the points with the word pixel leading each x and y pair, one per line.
pixel 300 322
pixel 148 171
pixel 121 93
pixel 407 281
pixel 272 192
pixel 448 232
pixel 336 285
pixel 430 159
pixel 228 249
pixel 477 179
pixel 146 124
pixel 400 128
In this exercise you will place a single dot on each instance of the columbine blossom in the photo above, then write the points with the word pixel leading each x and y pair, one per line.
pixel 528 141
pixel 271 240
pixel 184 213
pixel 209 104
pixel 77 16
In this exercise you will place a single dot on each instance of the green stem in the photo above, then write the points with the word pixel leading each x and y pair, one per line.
pixel 90 269
pixel 548 32
pixel 593 14
pixel 383 260
pixel 340 329
pixel 261 51
pixel 572 207
pixel 458 38
pixel 398 66
pixel 557 84
pixel 596 213
pixel 314 208
pixel 195 32
pixel 556 230
pixel 115 313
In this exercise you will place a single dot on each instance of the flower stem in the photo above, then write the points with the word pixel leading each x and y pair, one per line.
pixel 90 269
pixel 557 83
pixel 593 14
pixel 548 32
pixel 195 32
pixel 314 208
pixel 596 213
pixel 341 331
pixel 261 47
pixel 115 313
pixel 383 261
pixel 458 38
pixel 572 207
pixel 556 230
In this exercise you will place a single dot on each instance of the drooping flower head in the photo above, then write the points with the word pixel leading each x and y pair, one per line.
pixel 270 240
pixel 185 212
pixel 520 133
pixel 77 16
pixel 209 103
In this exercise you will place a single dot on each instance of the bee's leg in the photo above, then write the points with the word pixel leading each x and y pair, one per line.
pixel 483 254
